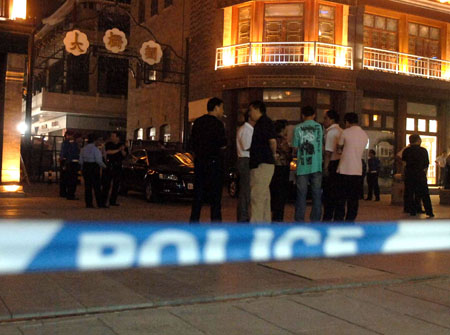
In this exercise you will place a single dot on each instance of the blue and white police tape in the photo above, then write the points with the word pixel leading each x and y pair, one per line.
pixel 27 246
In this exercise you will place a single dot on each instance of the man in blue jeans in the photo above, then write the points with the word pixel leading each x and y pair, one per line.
pixel 308 140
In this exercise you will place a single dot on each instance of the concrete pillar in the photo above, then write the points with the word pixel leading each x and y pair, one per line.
pixel 12 114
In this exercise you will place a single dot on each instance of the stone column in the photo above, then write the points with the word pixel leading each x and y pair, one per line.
pixel 12 115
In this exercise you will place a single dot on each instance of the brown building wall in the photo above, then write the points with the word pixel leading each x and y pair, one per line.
pixel 157 104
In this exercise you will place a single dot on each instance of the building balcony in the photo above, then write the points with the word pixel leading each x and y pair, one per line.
pixel 72 103
pixel 401 63
pixel 285 53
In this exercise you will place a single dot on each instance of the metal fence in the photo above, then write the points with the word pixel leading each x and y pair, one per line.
pixel 315 53
pixel 397 62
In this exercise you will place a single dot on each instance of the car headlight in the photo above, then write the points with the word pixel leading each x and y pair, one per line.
pixel 168 177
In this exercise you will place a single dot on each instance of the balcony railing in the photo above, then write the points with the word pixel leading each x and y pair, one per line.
pixel 396 62
pixel 314 53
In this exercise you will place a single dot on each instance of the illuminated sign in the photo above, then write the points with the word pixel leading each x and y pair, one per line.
pixel 151 52
pixel 115 40
pixel 76 42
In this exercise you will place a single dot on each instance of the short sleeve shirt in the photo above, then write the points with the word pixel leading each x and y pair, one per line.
pixel 308 139
pixel 260 151
pixel 244 140
pixel 332 135
pixel 354 140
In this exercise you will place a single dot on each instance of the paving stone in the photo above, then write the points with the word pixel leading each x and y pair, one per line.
pixel 146 322
pixel 295 317
pixel 10 330
pixel 424 292
pixel 34 295
pixel 95 289
pixel 369 315
pixel 410 264
pixel 440 283
pixel 225 319
pixel 395 301
pixel 77 326
pixel 325 269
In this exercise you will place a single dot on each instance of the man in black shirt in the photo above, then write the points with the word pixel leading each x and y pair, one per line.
pixel 115 153
pixel 262 162
pixel 208 143
pixel 416 185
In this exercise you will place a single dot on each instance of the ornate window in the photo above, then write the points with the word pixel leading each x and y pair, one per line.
pixel 244 25
pixel 380 32
pixel 327 24
pixel 283 22
pixel 424 40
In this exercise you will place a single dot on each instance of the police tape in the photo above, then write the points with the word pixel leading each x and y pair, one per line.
pixel 29 246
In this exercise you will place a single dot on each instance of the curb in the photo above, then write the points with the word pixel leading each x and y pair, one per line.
pixel 204 300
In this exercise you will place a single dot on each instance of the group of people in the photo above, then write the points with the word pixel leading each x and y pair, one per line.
pixel 329 163
pixel 101 166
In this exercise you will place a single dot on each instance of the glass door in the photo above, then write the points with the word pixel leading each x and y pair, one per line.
pixel 429 143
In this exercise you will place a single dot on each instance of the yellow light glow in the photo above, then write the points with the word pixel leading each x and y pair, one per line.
pixel 228 56
pixel 19 9
pixel 340 56
pixel 11 171
pixel 375 117
pixel 11 188
pixel 256 53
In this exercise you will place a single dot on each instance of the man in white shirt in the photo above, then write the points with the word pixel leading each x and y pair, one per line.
pixel 352 143
pixel 243 143
pixel 331 162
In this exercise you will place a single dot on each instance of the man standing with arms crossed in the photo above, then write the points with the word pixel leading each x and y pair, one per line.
pixel 308 140
pixel 331 162
pixel 352 143
pixel 262 162
pixel 243 142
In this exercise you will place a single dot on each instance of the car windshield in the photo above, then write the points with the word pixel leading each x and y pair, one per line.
pixel 169 158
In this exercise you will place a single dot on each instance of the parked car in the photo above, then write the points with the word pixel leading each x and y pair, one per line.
pixel 158 173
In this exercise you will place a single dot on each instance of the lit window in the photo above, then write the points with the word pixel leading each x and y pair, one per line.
pixel 410 126
pixel 422 125
pixel 376 120
pixel 433 126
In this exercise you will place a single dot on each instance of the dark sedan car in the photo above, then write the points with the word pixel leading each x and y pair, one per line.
pixel 159 173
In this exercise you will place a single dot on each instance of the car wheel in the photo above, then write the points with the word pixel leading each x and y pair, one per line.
pixel 150 194
pixel 233 189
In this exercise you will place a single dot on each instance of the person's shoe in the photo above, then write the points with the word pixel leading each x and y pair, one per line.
pixel 421 211
pixel 103 206
pixel 90 206
pixel 115 204
pixel 429 216
pixel 377 199
pixel 367 199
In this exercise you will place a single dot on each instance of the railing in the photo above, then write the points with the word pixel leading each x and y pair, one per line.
pixel 314 53
pixel 396 62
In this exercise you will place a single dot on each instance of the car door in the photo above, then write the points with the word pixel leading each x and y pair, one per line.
pixel 140 168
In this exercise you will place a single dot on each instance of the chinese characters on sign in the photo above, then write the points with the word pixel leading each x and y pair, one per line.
pixel 115 40
pixel 151 52
pixel 76 42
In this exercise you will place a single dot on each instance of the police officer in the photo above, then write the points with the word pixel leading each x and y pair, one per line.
pixel 91 160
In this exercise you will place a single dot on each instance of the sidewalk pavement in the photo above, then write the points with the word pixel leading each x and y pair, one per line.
pixel 397 294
